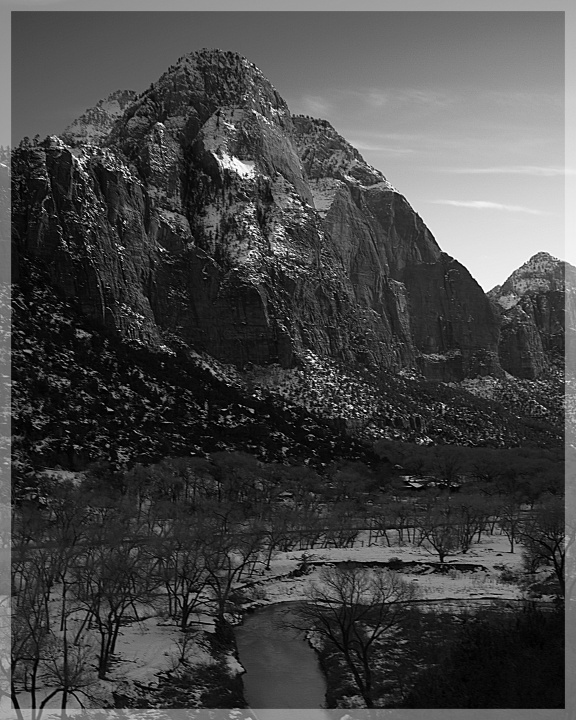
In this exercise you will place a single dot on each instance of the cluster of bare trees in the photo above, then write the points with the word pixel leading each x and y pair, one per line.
pixel 449 524
pixel 355 611
pixel 172 538
pixel 178 536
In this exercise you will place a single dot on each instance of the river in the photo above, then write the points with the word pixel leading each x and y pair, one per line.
pixel 282 670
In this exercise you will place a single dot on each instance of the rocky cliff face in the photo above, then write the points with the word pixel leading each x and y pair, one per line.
pixel 537 304
pixel 202 213
pixel 97 122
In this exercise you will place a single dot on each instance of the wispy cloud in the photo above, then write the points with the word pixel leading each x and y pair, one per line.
pixel 392 99
pixel 487 205
pixel 375 98
pixel 315 105
pixel 396 97
pixel 380 147
pixel 533 170
pixel 396 143
pixel 526 99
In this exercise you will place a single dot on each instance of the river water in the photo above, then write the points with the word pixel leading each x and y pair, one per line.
pixel 282 670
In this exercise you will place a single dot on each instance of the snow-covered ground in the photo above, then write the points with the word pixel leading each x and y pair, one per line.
pixel 153 644
pixel 492 554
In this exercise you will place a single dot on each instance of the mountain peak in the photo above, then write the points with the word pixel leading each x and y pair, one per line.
pixel 207 57
pixel 536 304
pixel 225 79
pixel 541 263
pixel 254 237
pixel 542 255
pixel 192 90
pixel 541 273
pixel 95 124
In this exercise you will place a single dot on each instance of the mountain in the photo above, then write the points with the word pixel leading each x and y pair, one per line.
pixel 209 216
pixel 195 269
pixel 81 394
pixel 96 123
pixel 537 303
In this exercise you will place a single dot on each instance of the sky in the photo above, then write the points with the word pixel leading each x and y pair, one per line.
pixel 463 111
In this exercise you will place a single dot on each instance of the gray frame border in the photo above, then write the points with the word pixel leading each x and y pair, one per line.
pixel 6 7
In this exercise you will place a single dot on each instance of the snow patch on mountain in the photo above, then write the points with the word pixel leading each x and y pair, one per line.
pixel 324 191
pixel 508 301
pixel 244 168
pixel 219 133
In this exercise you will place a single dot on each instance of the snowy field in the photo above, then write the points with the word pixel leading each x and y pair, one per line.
pixel 492 553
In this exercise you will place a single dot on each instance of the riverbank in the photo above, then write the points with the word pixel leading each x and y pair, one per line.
pixel 157 664
pixel 487 576
pixel 487 570
pixel 215 682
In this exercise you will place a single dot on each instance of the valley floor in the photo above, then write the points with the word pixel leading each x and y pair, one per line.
pixel 152 645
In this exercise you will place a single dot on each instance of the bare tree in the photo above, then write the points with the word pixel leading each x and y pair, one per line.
pixel 398 515
pixel 341 525
pixel 33 576
pixel 30 636
pixel 354 610
pixel 108 582
pixel 511 519
pixel 182 570
pixel 281 533
pixel 227 555
pixel 471 511
pixel 438 529
pixel 543 537
pixel 447 463
pixel 67 669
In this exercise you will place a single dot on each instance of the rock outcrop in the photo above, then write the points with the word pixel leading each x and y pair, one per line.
pixel 95 124
pixel 537 303
pixel 201 213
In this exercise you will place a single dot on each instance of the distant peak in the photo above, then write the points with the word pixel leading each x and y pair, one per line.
pixel 94 125
pixel 119 99
pixel 541 273
pixel 543 256
pixel 540 264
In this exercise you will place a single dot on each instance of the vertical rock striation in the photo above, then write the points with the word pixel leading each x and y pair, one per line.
pixel 201 212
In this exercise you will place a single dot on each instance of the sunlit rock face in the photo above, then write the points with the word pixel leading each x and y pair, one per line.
pixel 95 124
pixel 538 305
pixel 201 212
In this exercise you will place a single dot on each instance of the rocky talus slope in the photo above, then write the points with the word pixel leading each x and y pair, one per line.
pixel 81 395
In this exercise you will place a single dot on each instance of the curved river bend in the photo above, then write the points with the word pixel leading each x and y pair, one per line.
pixel 282 670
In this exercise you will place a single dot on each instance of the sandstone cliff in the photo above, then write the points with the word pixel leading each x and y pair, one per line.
pixel 538 304
pixel 201 212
